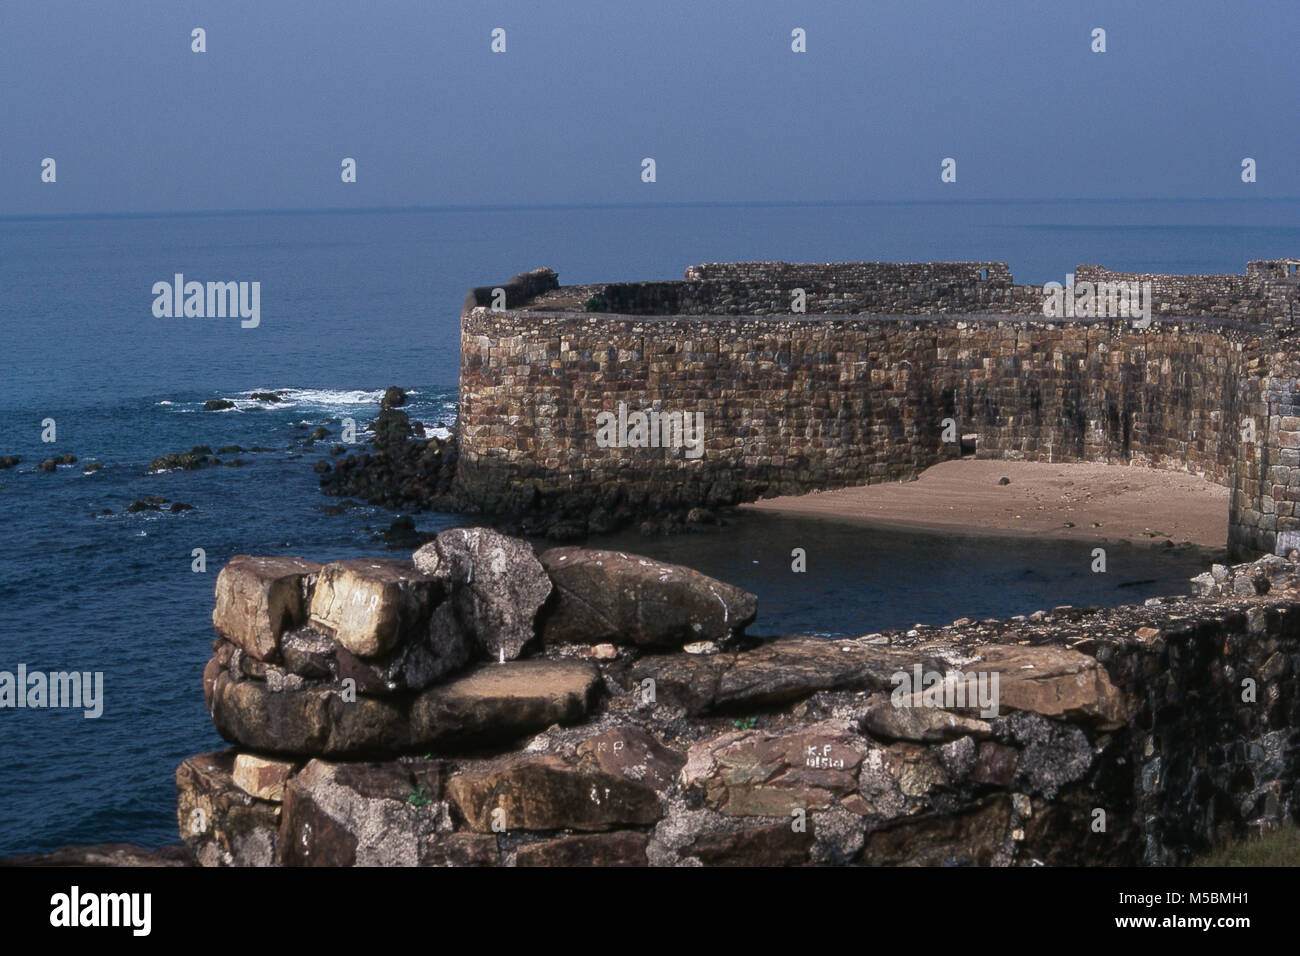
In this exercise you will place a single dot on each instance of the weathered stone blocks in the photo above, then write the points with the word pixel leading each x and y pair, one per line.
pixel 372 606
pixel 491 703
pixel 619 598
pixel 546 793
pixel 259 598
pixel 755 773
pixel 888 350
pixel 221 823
pixel 1138 711
pixel 497 587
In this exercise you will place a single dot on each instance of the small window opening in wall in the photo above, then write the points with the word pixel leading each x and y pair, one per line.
pixel 984 273
pixel 968 445
pixel 1293 267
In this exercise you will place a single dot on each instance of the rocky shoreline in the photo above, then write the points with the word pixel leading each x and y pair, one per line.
pixel 407 471
pixel 479 705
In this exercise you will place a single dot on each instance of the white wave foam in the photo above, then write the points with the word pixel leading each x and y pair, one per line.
pixel 326 397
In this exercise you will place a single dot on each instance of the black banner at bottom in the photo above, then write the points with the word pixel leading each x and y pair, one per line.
pixel 337 907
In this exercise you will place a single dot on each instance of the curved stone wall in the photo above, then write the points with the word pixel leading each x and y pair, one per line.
pixel 792 404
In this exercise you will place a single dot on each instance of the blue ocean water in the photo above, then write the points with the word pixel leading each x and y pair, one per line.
pixel 351 303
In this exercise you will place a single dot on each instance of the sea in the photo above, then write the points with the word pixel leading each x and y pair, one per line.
pixel 352 302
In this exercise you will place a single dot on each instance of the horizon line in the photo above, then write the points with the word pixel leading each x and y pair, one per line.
pixel 686 204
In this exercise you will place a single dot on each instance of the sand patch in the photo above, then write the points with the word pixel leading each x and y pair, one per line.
pixel 1073 501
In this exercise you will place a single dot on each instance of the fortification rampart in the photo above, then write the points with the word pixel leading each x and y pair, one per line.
pixel 863 387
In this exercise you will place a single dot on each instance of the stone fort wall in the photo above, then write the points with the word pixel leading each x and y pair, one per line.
pixel 858 389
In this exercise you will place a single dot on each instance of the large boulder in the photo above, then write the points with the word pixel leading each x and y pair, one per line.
pixel 221 823
pixel 629 751
pixel 545 792
pixel 492 704
pixel 496 584
pixel 759 773
pixel 885 719
pixel 259 598
pixel 370 606
pixel 360 814
pixel 1055 682
pixel 618 598
pixel 777 671
pixel 378 623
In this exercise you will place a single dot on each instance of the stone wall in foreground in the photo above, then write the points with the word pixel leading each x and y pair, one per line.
pixel 576 728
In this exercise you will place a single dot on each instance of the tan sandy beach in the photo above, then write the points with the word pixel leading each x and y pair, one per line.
pixel 1079 501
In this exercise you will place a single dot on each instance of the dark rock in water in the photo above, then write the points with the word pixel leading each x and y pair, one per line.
pixel 674 522
pixel 320 432
pixel 407 476
pixel 497 586
pixel 67 460
pixel 402 534
pixel 1004 481
pixel 617 598
pixel 8 461
pixel 92 467
pixel 218 404
pixel 338 450
pixel 49 464
pixel 105 854
pixel 155 503
pixel 394 397
pixel 234 463
pixel 565 531
pixel 187 461
pixel 321 467
pixel 266 397
pixel 230 450
pixel 392 428
pixel 702 516
pixel 200 450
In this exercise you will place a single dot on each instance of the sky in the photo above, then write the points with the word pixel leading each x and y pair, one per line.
pixel 1010 89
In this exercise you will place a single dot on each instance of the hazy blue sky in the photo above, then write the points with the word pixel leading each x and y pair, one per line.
pixel 712 91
